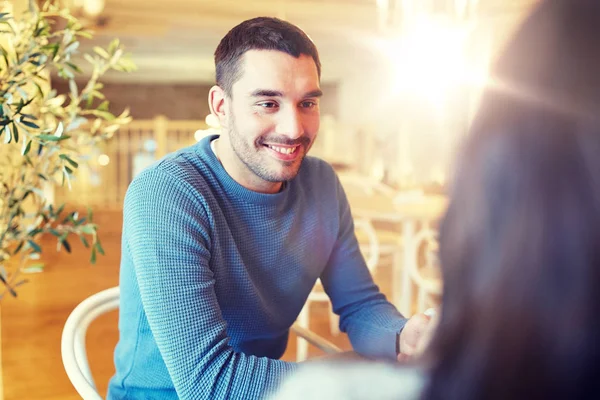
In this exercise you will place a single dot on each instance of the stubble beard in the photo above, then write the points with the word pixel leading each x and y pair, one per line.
pixel 257 163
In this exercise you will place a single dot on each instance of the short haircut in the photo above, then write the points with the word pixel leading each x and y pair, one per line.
pixel 262 33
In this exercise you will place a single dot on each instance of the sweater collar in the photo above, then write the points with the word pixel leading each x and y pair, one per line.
pixel 230 185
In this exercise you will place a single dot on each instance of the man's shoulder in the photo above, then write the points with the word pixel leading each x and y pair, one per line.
pixel 317 167
pixel 181 168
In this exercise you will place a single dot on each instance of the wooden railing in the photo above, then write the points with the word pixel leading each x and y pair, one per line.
pixel 143 141
pixel 130 150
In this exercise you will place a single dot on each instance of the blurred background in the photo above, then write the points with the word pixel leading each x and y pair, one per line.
pixel 401 82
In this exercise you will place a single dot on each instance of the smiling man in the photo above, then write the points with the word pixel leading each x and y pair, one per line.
pixel 223 241
pixel 271 115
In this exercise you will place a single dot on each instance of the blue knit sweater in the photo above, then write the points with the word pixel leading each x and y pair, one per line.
pixel 213 275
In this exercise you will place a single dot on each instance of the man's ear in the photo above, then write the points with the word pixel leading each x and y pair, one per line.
pixel 216 102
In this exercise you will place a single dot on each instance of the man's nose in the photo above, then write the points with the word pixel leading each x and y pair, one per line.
pixel 290 124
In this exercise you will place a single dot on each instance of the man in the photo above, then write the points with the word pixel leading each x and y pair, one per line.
pixel 223 241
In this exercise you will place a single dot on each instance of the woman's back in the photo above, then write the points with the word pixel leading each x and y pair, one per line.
pixel 520 244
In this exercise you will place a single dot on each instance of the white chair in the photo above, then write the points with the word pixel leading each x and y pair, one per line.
pixel 73 351
pixel 370 190
pixel 318 294
pixel 424 269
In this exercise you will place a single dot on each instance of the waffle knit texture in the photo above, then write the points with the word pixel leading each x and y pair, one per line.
pixel 213 275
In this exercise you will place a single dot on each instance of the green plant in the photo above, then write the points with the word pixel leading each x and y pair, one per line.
pixel 44 137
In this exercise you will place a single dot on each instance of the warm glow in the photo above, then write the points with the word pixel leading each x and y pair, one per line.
pixel 438 175
pixel 430 59
pixel 93 8
pixel 103 160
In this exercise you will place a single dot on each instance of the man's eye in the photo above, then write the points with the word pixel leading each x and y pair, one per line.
pixel 268 104
pixel 308 104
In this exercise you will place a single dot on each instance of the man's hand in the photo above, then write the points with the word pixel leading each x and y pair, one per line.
pixel 416 334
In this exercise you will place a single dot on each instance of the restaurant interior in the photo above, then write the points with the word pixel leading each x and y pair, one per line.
pixel 401 81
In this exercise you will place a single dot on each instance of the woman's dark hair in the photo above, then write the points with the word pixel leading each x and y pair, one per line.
pixel 261 33
pixel 520 243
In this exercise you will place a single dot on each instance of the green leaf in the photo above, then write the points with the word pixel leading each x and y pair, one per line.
pixel 35 232
pixel 114 44
pixel 39 89
pixel 42 176
pixel 15 132
pixel 67 245
pixel 7 134
pixel 19 247
pixel 101 52
pixel 67 74
pixel 71 48
pixel 22 281
pixel 66 176
pixel 90 100
pixel 29 124
pixel 9 26
pixel 85 34
pixel 99 247
pixel 84 241
pixel 89 59
pixel 22 93
pixel 8 287
pixel 93 257
pixel 36 248
pixel 89 229
pixel 103 106
pixel 27 148
pixel 73 88
pixel 103 114
pixel 5 56
pixel 59 130
pixel 98 94
pixel 54 232
pixel 74 67
pixel 76 123
pixel 52 138
pixel 34 268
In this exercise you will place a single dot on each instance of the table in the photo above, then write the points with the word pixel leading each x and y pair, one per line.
pixel 408 211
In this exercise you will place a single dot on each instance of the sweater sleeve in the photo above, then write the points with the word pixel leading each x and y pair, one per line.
pixel 167 232
pixel 370 321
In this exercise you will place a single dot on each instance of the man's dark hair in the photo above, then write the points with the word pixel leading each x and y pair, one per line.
pixel 262 33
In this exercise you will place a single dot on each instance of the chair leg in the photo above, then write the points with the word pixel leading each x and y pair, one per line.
pixel 301 344
pixel 398 276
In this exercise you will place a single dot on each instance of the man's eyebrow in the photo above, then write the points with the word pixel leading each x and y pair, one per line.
pixel 266 93
pixel 276 93
pixel 314 93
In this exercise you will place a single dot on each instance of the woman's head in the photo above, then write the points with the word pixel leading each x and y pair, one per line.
pixel 520 244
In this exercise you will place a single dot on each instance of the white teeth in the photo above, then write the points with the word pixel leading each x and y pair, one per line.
pixel 283 150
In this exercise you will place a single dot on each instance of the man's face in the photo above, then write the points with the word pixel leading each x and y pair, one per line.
pixel 273 116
